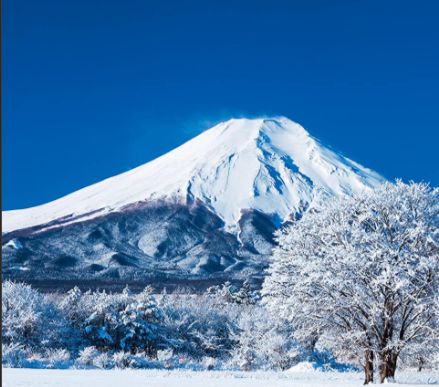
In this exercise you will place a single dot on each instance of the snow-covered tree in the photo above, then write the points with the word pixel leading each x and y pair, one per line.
pixel 227 291
pixel 228 294
pixel 199 326
pixel 123 321
pixel 22 313
pixel 245 296
pixel 361 274
pixel 28 318
pixel 71 306
pixel 142 325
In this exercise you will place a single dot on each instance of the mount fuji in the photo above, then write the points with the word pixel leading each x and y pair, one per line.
pixel 205 210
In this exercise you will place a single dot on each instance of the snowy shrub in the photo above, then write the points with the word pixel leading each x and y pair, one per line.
pixel 90 357
pixel 87 357
pixel 166 358
pixel 36 359
pixel 209 363
pixel 103 361
pixel 122 360
pixel 14 355
pixel 164 355
pixel 19 356
pixel 262 342
pixel 57 358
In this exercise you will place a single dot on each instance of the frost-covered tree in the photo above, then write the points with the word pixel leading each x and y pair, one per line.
pixel 22 313
pixel 228 294
pixel 245 296
pixel 227 291
pixel 361 274
pixel 29 319
pixel 71 306
pixel 103 324
pixel 199 326
pixel 123 321
pixel 142 325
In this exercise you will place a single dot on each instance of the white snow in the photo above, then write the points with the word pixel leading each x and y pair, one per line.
pixel 301 367
pixel 22 377
pixel 14 244
pixel 269 164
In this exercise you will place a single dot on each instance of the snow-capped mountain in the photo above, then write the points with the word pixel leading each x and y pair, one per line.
pixel 271 165
pixel 209 206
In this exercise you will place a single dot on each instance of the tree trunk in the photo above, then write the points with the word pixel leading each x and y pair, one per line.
pixel 368 367
pixel 388 357
pixel 388 366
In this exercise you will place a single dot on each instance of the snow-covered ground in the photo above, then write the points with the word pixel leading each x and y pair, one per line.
pixel 137 378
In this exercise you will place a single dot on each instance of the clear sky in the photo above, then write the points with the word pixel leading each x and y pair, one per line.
pixel 94 88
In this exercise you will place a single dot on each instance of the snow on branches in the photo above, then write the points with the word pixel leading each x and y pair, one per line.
pixel 361 275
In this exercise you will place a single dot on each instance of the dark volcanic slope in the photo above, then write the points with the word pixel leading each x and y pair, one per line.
pixel 154 240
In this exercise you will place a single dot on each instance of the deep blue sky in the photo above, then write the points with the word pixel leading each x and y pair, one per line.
pixel 93 88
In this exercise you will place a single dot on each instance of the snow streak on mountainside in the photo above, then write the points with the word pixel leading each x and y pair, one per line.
pixel 271 165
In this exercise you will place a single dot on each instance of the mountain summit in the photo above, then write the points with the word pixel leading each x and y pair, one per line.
pixel 207 208
pixel 268 164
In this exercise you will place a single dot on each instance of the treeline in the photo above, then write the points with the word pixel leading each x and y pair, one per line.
pixel 223 328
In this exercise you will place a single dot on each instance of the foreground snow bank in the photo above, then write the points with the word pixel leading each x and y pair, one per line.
pixel 15 377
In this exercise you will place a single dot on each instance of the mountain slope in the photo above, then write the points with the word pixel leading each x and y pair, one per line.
pixel 206 209
pixel 271 165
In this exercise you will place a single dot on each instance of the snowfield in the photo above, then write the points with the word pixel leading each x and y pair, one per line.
pixel 22 377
